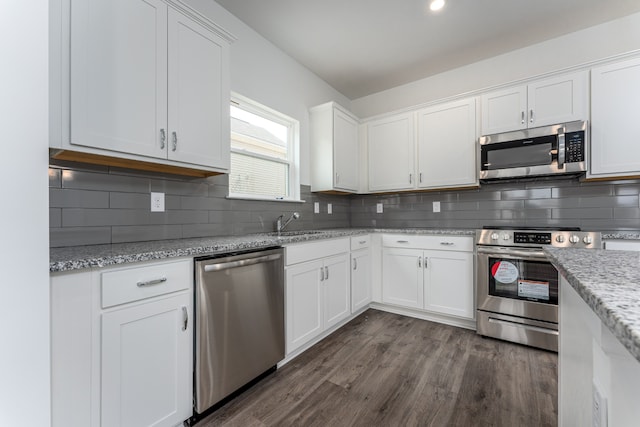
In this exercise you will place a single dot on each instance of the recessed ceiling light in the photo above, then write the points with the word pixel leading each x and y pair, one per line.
pixel 436 5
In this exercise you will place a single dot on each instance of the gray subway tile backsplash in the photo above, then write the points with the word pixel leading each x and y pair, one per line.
pixel 111 205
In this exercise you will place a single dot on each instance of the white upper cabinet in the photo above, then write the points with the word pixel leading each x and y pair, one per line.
pixel 447 145
pixel 334 148
pixel 198 94
pixel 119 75
pixel 391 150
pixel 615 103
pixel 545 102
pixel 148 82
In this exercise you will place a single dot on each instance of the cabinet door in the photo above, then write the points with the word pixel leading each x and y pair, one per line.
pixel 119 75
pixel 615 103
pixel 391 153
pixel 558 100
pixel 345 151
pixel 402 281
pixel 504 110
pixel 360 279
pixel 198 94
pixel 303 303
pixel 448 283
pixel 447 145
pixel 337 290
pixel 147 363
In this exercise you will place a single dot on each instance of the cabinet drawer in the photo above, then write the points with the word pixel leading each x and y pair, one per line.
pixel 360 242
pixel 309 251
pixel 435 242
pixel 133 284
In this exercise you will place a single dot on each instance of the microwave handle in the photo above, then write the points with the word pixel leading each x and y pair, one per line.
pixel 561 148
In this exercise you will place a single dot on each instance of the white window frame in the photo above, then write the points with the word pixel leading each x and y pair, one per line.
pixel 293 148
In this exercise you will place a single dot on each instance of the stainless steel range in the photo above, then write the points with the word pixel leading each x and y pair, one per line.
pixel 517 286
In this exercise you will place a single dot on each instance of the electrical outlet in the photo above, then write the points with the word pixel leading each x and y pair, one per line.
pixel 436 206
pixel 316 207
pixel 329 208
pixel 379 208
pixel 157 202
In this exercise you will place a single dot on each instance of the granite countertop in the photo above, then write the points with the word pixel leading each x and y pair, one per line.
pixel 80 257
pixel 609 282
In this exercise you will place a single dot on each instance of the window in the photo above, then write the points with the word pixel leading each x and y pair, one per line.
pixel 263 152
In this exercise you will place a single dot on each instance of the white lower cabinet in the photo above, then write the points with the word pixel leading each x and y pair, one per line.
pixel 145 363
pixel 360 279
pixel 122 345
pixel 317 289
pixel 417 274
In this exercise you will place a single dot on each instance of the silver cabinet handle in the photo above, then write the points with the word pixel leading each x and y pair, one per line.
pixel 362 242
pixel 185 318
pixel 163 138
pixel 326 273
pixel 410 178
pixel 531 115
pixel 447 243
pixel 151 282
pixel 174 136
pixel 322 274
pixel 355 263
pixel 420 177
pixel 402 241
pixel 522 120
pixel 419 262
pixel 337 177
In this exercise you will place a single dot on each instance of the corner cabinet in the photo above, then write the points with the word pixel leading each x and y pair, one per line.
pixel 391 148
pixel 447 145
pixel 122 345
pixel 545 102
pixel 334 149
pixel 148 81
pixel 615 102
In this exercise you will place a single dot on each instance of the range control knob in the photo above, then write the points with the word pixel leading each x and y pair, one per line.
pixel 505 237
pixel 560 238
pixel 587 240
pixel 494 236
pixel 574 239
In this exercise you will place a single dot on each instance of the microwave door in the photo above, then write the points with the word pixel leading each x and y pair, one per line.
pixel 522 156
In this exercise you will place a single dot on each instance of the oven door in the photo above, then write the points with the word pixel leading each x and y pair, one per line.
pixel 518 282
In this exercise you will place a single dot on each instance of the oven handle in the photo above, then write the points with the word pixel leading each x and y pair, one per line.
pixel 523 326
pixel 513 253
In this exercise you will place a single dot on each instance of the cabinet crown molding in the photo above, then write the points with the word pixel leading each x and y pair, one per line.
pixel 201 19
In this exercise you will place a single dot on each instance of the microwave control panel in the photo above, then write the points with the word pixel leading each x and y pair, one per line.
pixel 574 147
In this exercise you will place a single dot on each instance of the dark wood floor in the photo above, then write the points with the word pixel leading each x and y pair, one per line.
pixel 388 370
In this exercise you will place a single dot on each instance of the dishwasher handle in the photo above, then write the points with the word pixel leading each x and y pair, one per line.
pixel 241 263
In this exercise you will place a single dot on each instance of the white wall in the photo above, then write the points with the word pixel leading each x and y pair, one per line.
pixel 264 73
pixel 598 42
pixel 24 253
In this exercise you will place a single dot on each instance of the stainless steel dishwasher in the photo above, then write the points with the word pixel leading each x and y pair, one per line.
pixel 239 301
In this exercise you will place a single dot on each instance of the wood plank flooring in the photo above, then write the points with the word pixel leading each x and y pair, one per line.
pixel 383 369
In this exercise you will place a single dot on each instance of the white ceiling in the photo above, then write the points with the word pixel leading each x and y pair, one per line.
pixel 362 47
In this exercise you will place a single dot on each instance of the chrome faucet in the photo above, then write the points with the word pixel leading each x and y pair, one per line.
pixel 281 226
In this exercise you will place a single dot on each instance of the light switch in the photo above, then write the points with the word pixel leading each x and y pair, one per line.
pixel 379 208
pixel 436 206
pixel 329 208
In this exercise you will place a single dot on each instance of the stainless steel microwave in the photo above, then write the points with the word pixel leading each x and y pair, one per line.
pixel 548 150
